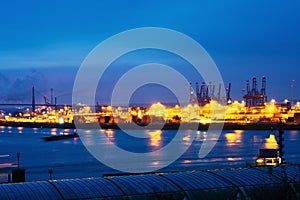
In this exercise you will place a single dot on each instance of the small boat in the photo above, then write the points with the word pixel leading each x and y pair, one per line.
pixel 268 157
pixel 272 154
pixel 61 137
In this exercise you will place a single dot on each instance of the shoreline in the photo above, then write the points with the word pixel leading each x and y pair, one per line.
pixel 167 126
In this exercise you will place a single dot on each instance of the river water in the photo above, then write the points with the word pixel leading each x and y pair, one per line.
pixel 69 158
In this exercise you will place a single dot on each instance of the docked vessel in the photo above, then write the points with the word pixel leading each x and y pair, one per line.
pixel 61 137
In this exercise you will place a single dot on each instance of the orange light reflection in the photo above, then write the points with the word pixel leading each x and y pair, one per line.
pixel 270 142
pixel 155 138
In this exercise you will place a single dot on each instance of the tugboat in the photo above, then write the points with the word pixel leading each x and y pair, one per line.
pixel 61 137
pixel 268 157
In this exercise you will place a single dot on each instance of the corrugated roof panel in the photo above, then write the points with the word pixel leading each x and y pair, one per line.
pixel 86 188
pixel 34 190
pixel 5 192
pixel 65 189
pixel 289 174
pixel 96 188
pixel 246 177
pixel 47 189
pixel 144 184
pixel 25 192
pixel 197 180
pixel 100 185
pixel 209 184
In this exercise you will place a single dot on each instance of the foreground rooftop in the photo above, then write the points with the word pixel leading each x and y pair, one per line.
pixel 248 183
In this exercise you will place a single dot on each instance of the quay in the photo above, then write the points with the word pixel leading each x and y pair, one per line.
pixel 166 126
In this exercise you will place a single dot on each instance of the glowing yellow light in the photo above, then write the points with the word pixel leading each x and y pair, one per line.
pixel 61 120
pixel 259 161
pixel 230 137
pixel 156 163
pixel 187 138
pixel 238 131
pixel 140 114
pixel 110 133
pixel 157 110
pixel 286 101
pixel 271 143
pixel 155 137
pixel 205 121
pixel 109 108
pixel 234 159
pixel 273 101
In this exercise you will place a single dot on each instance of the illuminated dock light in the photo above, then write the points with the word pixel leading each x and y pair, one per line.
pixel 61 120
pixel 286 101
pixel 273 101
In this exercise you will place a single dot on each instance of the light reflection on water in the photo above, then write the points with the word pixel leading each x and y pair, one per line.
pixel 110 133
pixel 20 129
pixel 155 138
pixel 234 159
pixel 88 137
pixel 293 135
pixel 187 161
pixel 270 142
pixel 234 138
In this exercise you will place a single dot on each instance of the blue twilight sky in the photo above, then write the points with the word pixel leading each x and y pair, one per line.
pixel 43 43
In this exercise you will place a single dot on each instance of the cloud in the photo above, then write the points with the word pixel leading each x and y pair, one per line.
pixel 4 81
pixel 20 89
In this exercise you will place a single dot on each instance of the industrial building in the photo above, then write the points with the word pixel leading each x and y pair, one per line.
pixel 282 182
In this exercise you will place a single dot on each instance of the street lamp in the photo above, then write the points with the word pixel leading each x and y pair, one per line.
pixel 50 173
pixel 292 89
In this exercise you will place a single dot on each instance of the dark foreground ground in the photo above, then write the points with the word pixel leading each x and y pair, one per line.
pixel 249 183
